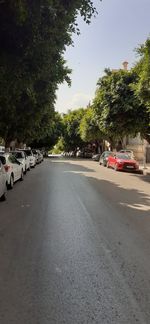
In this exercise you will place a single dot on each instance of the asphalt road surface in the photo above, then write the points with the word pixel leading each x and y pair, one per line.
pixel 75 246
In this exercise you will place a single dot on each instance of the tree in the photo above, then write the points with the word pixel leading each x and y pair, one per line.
pixel 33 37
pixel 51 134
pixel 89 128
pixel 119 110
pixel 142 87
pixel 71 121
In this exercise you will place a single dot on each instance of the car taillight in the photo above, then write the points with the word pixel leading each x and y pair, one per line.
pixel 7 167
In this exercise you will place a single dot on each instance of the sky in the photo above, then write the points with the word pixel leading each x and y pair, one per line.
pixel 110 39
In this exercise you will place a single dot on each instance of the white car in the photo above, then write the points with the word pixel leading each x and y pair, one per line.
pixel 35 153
pixel 31 157
pixel 13 168
pixel 3 181
pixel 22 158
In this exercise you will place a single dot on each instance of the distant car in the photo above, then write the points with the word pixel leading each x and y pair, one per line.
pixel 104 157
pixel 22 158
pixel 122 162
pixel 79 153
pixel 3 182
pixel 88 154
pixel 2 149
pixel 129 152
pixel 96 157
pixel 13 168
pixel 54 155
pixel 40 156
pixel 35 153
pixel 72 154
pixel 30 156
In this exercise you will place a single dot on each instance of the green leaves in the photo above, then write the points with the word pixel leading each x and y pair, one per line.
pixel 33 37
pixel 142 87
pixel 89 126
pixel 116 104
pixel 71 135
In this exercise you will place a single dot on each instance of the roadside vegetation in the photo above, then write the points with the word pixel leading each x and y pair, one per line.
pixel 34 36
pixel 121 107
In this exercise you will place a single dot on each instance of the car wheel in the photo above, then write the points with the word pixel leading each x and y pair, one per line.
pixel 21 178
pixel 11 183
pixel 116 168
pixel 4 196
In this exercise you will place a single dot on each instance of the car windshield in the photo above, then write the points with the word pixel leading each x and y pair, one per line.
pixel 28 152
pixel 18 155
pixel 107 153
pixel 123 156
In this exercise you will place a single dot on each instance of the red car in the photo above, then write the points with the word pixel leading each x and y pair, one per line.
pixel 122 162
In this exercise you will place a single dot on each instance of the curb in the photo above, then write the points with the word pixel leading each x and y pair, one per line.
pixel 144 171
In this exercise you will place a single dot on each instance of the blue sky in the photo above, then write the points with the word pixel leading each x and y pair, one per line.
pixel 109 40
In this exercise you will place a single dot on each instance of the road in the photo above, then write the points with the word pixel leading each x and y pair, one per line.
pixel 75 246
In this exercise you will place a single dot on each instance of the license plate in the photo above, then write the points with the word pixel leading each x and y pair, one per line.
pixel 130 167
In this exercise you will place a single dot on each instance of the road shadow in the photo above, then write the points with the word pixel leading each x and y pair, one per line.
pixel 134 202
pixel 143 177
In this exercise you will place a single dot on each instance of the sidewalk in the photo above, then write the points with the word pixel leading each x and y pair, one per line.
pixel 145 171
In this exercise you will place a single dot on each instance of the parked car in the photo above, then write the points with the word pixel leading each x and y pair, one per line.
pixel 35 153
pixel 40 156
pixel 2 149
pixel 122 162
pixel 13 168
pixel 79 153
pixel 96 157
pixel 30 156
pixel 104 157
pixel 3 182
pixel 88 154
pixel 22 158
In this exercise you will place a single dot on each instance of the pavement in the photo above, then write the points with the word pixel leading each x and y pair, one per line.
pixel 145 170
pixel 75 246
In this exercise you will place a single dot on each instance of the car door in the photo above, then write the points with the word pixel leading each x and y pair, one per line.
pixel 12 160
pixel 101 158
pixel 18 167
pixel 112 160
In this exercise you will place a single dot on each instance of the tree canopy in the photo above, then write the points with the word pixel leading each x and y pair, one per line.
pixel 119 110
pixel 33 37
pixel 71 135
pixel 142 87
pixel 89 127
